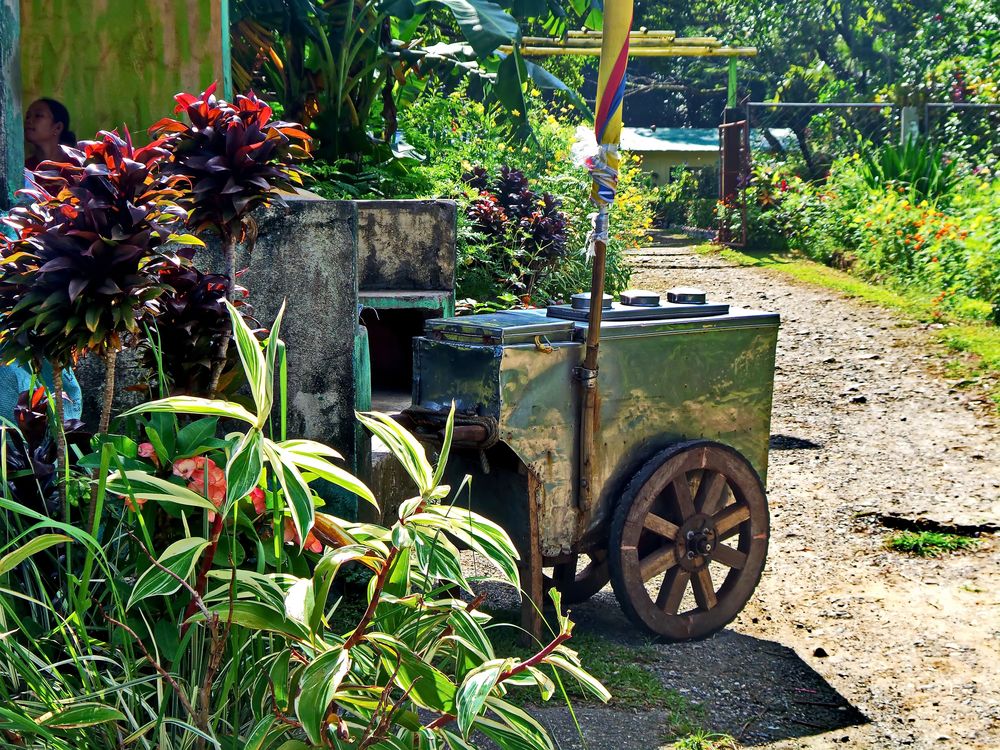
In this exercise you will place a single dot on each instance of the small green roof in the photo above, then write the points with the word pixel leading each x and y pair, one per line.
pixel 670 139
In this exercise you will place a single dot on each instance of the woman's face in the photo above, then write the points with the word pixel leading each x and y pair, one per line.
pixel 39 127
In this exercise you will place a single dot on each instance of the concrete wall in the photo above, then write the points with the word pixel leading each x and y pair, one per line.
pixel 306 255
pixel 659 163
pixel 121 61
pixel 406 245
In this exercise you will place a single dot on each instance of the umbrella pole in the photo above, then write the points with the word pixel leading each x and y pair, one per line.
pixel 587 377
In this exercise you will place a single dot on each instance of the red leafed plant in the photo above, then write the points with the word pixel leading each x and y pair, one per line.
pixel 237 159
pixel 83 270
pixel 188 331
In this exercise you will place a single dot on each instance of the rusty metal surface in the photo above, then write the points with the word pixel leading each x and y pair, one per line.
pixel 661 382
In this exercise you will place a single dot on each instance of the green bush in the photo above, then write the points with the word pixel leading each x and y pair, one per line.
pixel 949 246
pixel 914 165
pixel 207 608
pixel 452 134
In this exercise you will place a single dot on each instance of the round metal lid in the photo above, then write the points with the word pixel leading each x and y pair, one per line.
pixel 639 298
pixel 687 295
pixel 582 301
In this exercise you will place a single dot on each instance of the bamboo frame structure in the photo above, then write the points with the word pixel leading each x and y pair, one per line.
pixel 642 43
pixel 676 50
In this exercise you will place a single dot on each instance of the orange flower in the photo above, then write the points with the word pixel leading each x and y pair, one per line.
pixel 146 450
pixel 140 501
pixel 258 500
pixel 201 472
pixel 292 537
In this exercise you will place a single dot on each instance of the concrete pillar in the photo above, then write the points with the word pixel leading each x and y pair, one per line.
pixel 909 124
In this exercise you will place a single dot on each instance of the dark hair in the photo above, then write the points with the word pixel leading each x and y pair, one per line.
pixel 61 114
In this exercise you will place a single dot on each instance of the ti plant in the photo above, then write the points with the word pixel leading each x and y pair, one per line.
pixel 236 159
pixel 84 268
pixel 248 454
pixel 417 669
pixel 187 334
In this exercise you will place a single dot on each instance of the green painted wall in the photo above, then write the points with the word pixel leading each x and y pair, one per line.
pixel 11 119
pixel 120 61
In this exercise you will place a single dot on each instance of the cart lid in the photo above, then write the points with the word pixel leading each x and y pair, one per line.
pixel 508 327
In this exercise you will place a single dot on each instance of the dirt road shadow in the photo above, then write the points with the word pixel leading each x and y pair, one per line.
pixel 755 690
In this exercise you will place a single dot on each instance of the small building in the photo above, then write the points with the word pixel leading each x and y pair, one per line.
pixel 662 149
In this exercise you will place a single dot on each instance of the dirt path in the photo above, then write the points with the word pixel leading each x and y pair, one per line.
pixel 845 644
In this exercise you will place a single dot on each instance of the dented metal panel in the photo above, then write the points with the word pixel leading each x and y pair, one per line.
pixel 661 382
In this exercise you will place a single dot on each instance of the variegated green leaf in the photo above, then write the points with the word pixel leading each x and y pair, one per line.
pixel 80 715
pixel 325 470
pixel 210 407
pixel 244 466
pixel 139 484
pixel 406 448
pixel 33 546
pixel 298 497
pixel 320 682
pixel 449 431
pixel 474 691
pixel 179 558
pixel 254 365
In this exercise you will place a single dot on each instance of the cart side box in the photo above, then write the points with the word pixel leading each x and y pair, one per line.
pixel 680 376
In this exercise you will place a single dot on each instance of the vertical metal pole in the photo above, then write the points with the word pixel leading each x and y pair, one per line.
pixel 731 92
pixel 587 378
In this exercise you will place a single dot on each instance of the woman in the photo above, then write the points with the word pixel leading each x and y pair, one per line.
pixel 46 127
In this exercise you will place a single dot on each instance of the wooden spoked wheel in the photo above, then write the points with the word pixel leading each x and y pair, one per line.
pixel 577 584
pixel 688 540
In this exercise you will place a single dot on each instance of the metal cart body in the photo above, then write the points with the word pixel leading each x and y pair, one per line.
pixel 680 373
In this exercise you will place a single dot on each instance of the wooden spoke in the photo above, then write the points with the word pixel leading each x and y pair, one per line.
pixel 731 517
pixel 672 591
pixel 704 591
pixel 729 556
pixel 682 494
pixel 711 492
pixel 656 562
pixel 660 525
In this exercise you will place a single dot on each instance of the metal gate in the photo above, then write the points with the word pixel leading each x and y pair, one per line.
pixel 734 174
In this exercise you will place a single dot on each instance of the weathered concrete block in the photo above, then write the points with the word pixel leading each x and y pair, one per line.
pixel 305 257
pixel 406 245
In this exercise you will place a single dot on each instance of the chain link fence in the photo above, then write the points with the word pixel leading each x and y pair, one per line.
pixel 812 135
pixel 965 131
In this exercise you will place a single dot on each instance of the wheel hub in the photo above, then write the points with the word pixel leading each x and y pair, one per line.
pixel 695 542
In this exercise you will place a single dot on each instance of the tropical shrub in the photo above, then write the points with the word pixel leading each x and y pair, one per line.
pixel 185 642
pixel 346 69
pixel 235 159
pixel 914 165
pixel 516 235
pixel 949 246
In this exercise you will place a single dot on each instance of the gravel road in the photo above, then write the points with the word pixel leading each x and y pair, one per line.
pixel 844 644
